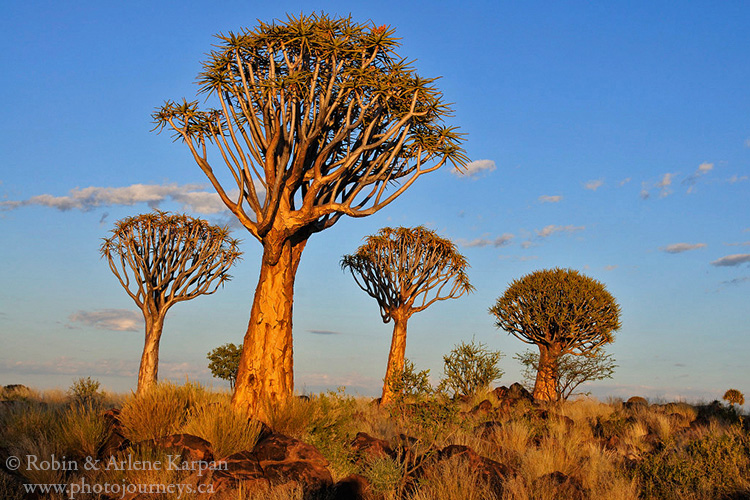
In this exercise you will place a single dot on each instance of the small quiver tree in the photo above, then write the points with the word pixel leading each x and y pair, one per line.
pixel 406 270
pixel 561 312
pixel 316 118
pixel 161 259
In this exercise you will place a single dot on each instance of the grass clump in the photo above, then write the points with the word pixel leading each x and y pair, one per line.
pixel 228 430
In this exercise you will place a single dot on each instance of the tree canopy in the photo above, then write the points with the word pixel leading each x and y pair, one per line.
pixel 408 268
pixel 559 307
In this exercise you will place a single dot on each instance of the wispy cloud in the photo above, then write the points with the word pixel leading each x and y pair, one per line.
pixel 192 197
pixel 499 241
pixel 552 229
pixel 682 247
pixel 740 244
pixel 737 281
pixel 747 142
pixel 324 332
pixel 702 170
pixel 738 178
pixel 119 320
pixel 112 367
pixel 663 186
pixel 732 260
pixel 476 168
pixel 625 181
pixel 594 184
pixel 550 199
pixel 611 267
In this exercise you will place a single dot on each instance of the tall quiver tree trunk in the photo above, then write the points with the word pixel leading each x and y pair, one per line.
pixel 396 356
pixel 148 373
pixel 545 388
pixel 266 374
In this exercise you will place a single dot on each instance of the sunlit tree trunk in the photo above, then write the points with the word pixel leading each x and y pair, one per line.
pixel 395 357
pixel 265 375
pixel 545 388
pixel 149 370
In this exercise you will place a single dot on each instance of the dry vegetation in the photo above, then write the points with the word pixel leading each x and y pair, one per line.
pixel 578 449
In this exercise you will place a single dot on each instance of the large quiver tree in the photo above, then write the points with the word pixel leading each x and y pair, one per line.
pixel 161 259
pixel 406 270
pixel 317 118
pixel 561 312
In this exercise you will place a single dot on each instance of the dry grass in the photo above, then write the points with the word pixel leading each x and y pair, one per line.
pixel 601 450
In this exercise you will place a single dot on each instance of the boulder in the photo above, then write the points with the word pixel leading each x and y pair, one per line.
pixel 368 448
pixel 564 486
pixel 483 408
pixel 491 471
pixel 192 448
pixel 352 487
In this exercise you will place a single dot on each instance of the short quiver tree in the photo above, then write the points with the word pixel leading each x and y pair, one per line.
pixel 317 118
pixel 162 259
pixel 406 270
pixel 561 312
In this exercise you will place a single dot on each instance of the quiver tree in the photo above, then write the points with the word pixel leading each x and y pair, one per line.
pixel 561 312
pixel 406 270
pixel 316 117
pixel 161 259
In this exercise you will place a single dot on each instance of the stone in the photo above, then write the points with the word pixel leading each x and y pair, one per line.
pixel 486 429
pixel 191 447
pixel 281 448
pixel 483 408
pixel 368 448
pixel 491 471
pixel 564 486
pixel 352 487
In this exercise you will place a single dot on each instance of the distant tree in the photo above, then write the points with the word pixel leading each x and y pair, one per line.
pixel 734 397
pixel 561 312
pixel 572 371
pixel 225 361
pixel 470 368
pixel 161 259
pixel 406 270
pixel 317 118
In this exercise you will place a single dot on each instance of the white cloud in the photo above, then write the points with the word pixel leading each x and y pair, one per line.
pixel 552 229
pixel 193 197
pixel 119 320
pixel 666 181
pixel 682 247
pixel 625 181
pixel 500 241
pixel 705 167
pixel 732 260
pixel 550 199
pixel 114 367
pixel 747 142
pixel 475 168
pixel 611 267
pixel 738 178
pixel 594 185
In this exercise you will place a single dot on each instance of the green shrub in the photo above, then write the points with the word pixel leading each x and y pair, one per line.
pixel 411 383
pixel 470 368
pixel 712 465
pixel 225 362
pixel 85 391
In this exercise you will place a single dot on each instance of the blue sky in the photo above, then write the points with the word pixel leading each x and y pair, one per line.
pixel 613 138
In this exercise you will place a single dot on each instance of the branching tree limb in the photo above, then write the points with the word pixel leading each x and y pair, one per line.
pixel 162 259
pixel 315 118
pixel 406 270
pixel 562 312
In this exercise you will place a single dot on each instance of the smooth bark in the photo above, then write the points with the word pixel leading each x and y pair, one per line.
pixel 265 376
pixel 396 357
pixel 148 373
pixel 545 388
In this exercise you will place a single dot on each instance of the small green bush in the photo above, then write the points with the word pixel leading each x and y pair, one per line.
pixel 470 368
pixel 225 362
pixel 86 391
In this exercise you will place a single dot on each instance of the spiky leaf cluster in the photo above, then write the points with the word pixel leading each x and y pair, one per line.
pixel 408 269
pixel 317 117
pixel 162 258
pixel 559 308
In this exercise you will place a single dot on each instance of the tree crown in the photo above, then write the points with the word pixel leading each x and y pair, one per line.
pixel 559 308
pixel 317 117
pixel 171 257
pixel 401 267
